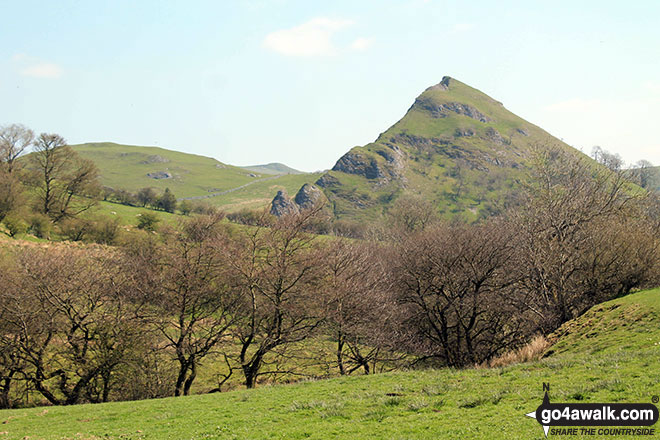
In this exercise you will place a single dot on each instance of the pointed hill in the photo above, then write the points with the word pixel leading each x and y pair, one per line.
pixel 456 147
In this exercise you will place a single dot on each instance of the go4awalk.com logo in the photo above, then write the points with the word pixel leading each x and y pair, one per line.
pixel 602 419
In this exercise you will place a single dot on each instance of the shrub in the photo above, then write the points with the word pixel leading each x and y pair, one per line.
pixel 104 231
pixel 15 225
pixel 148 221
pixel 40 226
pixel 74 229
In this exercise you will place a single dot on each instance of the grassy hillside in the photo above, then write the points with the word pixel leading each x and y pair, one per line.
pixel 456 146
pixel 187 175
pixel 610 354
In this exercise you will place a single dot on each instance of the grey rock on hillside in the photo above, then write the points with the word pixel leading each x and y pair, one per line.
pixel 306 197
pixel 283 205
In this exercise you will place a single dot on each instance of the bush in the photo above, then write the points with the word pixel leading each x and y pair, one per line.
pixel 204 208
pixel 15 225
pixel 74 229
pixel 185 207
pixel 148 221
pixel 40 226
pixel 104 231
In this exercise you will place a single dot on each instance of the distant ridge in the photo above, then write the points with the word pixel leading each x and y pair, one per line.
pixel 272 168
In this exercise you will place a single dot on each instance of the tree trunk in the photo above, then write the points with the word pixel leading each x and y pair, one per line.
pixel 190 379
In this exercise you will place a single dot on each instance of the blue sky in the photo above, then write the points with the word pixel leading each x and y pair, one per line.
pixel 301 82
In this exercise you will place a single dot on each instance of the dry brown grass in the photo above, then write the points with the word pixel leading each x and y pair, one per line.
pixel 530 352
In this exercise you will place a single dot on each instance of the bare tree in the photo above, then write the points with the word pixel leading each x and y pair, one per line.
pixel 568 201
pixel 357 303
pixel 11 191
pixel 453 281
pixel 276 272
pixel 14 140
pixel 411 213
pixel 69 320
pixel 186 280
pixel 645 174
pixel 66 183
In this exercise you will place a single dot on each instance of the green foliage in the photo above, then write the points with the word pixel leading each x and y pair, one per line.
pixel 15 225
pixel 185 207
pixel 104 230
pixel 40 225
pixel 167 201
pixel 74 229
pixel 148 221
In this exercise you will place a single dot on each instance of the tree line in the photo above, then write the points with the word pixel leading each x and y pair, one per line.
pixel 141 320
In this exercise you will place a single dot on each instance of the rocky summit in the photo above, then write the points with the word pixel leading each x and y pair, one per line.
pixel 456 147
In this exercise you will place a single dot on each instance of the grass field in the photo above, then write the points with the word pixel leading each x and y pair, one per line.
pixel 610 354
pixel 127 167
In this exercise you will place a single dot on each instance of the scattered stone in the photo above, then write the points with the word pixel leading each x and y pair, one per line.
pixel 160 175
pixel 464 132
pixel 155 159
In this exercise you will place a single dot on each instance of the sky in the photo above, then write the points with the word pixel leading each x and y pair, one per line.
pixel 302 82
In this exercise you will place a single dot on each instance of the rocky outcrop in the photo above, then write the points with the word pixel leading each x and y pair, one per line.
pixel 308 195
pixel 356 163
pixel 327 180
pixel 283 205
pixel 160 175
pixel 443 110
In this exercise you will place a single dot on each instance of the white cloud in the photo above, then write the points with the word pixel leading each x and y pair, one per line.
pixel 312 38
pixel 36 68
pixel 462 27
pixel 42 70
pixel 362 43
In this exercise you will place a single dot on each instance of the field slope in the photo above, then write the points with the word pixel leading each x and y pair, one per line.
pixel 610 354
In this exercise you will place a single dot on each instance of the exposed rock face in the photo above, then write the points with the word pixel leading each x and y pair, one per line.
pixel 442 110
pixel 307 196
pixel 522 131
pixel 327 180
pixel 352 163
pixel 283 205
pixel 155 159
pixel 160 175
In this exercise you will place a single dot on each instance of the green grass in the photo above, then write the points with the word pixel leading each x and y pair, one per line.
pixel 610 354
pixel 126 167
